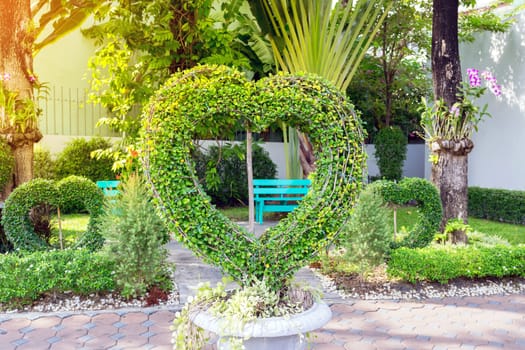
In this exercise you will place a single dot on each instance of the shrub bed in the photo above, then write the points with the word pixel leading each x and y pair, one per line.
pixel 76 159
pixel 496 204
pixel 442 264
pixel 24 278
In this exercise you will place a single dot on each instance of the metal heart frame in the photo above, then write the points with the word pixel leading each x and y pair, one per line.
pixel 207 99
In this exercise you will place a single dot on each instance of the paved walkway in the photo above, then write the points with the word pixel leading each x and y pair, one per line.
pixel 495 322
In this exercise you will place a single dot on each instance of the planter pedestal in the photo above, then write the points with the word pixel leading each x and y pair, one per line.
pixel 269 333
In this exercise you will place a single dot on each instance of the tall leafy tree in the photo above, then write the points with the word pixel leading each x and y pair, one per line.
pixel 142 42
pixel 404 34
pixel 25 27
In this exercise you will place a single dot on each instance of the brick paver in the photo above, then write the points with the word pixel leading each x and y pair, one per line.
pixel 491 322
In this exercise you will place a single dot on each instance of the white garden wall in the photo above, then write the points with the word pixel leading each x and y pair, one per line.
pixel 498 158
pixel 414 165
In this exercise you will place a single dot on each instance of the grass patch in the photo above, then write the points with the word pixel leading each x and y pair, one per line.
pixel 73 226
pixel 241 214
pixel 235 213
pixel 515 234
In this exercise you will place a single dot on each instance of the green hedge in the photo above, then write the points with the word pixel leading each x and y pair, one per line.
pixel 75 159
pixel 390 152
pixel 442 264
pixel 496 204
pixel 25 277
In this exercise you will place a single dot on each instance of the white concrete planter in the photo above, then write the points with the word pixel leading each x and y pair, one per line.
pixel 269 333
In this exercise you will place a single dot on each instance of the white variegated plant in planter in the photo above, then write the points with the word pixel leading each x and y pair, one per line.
pixel 203 102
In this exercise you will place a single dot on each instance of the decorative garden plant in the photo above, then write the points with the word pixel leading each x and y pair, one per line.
pixel 72 189
pixel 207 99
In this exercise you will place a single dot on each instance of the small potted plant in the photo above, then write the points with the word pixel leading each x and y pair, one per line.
pixel 203 102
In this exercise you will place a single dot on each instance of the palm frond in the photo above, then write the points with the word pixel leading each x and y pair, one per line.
pixel 311 36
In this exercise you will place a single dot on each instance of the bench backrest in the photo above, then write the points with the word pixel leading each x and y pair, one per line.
pixel 109 187
pixel 280 186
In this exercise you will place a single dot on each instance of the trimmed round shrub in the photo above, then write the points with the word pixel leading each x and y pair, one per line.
pixel 7 162
pixel 390 151
pixel 15 218
pixel 227 184
pixel 428 202
pixel 43 164
pixel 79 194
pixel 76 159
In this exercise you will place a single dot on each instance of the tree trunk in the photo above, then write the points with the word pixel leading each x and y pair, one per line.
pixel 450 175
pixel 450 172
pixel 23 152
pixel 16 67
pixel 249 173
pixel 306 154
pixel 446 67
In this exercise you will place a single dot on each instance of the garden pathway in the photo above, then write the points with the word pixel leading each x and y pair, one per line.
pixel 492 322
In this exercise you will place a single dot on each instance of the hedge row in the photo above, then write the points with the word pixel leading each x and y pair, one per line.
pixel 26 277
pixel 442 264
pixel 497 205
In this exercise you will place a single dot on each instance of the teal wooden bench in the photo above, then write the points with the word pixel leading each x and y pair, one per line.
pixel 278 195
pixel 109 187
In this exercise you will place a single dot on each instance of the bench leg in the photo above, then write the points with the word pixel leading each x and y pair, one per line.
pixel 259 212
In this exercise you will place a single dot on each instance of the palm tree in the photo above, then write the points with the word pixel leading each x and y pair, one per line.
pixel 315 37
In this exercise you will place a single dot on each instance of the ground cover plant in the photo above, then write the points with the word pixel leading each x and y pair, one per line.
pixel 25 278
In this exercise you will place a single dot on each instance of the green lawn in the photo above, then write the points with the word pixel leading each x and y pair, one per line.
pixel 241 214
pixel 515 234
pixel 75 224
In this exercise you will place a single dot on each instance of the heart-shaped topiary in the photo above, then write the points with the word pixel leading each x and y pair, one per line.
pixel 428 202
pixel 206 100
pixel 15 217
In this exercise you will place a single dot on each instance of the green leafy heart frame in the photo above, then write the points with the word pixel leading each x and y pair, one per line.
pixel 202 101
pixel 425 196
pixel 15 216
